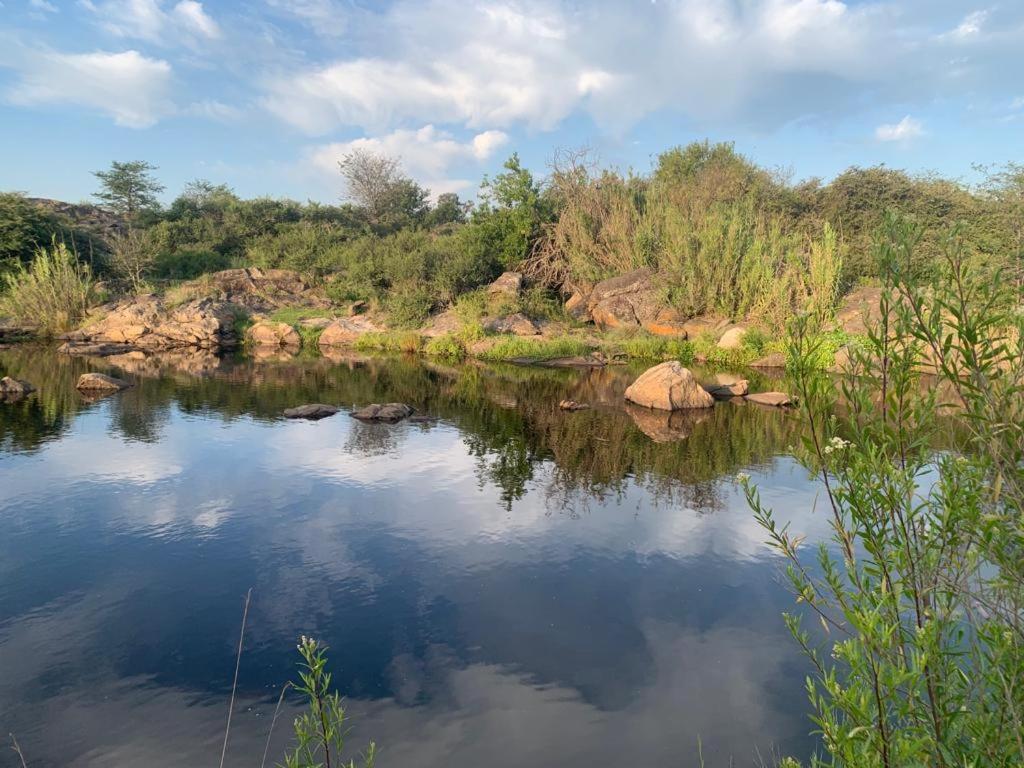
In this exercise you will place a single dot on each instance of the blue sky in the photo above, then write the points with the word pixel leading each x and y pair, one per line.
pixel 266 95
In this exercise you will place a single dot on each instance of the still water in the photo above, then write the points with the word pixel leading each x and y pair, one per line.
pixel 504 585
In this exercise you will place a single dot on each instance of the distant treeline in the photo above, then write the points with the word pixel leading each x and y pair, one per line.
pixel 729 236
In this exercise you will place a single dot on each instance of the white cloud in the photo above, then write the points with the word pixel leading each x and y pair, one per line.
pixel 131 88
pixel 905 130
pixel 213 110
pixel 534 63
pixel 968 29
pixel 186 21
pixel 42 5
pixel 426 154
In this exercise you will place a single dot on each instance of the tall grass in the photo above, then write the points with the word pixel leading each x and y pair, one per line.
pixel 52 294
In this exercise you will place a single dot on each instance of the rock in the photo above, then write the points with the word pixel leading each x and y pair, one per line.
pixel 357 308
pixel 777 399
pixel 508 284
pixel 667 322
pixel 704 326
pixel 732 338
pixel 625 300
pixel 774 360
pixel 149 323
pixel 576 306
pixel 14 388
pixel 86 349
pixel 100 382
pixel 728 391
pixel 390 412
pixel 519 324
pixel 442 324
pixel 268 333
pixel 572 405
pixel 315 323
pixel 343 331
pixel 260 290
pixel 666 426
pixel 313 411
pixel 668 387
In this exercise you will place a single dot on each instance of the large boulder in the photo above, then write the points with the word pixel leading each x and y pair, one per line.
pixel 626 300
pixel 100 382
pixel 268 333
pixel 518 324
pixel 14 388
pixel 668 387
pixel 667 322
pixel 149 323
pixel 857 310
pixel 261 290
pixel 508 284
pixel 389 412
pixel 345 330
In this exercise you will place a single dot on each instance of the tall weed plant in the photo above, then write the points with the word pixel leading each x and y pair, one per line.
pixel 52 293
pixel 917 654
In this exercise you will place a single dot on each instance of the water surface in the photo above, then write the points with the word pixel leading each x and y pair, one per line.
pixel 506 585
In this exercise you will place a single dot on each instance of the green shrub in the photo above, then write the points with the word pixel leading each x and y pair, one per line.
pixel 409 305
pixel 448 346
pixel 53 293
pixel 389 341
pixel 525 348
pixel 188 264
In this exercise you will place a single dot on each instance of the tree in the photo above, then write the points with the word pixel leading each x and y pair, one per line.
pixel 129 188
pixel 377 184
pixel 449 209
pixel 132 258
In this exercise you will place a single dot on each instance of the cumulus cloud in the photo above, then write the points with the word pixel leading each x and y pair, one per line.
pixel 905 130
pixel 130 87
pixel 427 154
pixel 761 63
pixel 150 20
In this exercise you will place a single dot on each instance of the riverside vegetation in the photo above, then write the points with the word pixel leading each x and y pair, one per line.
pixel 917 647
pixel 720 238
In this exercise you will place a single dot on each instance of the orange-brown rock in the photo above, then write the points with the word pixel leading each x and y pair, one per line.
pixel 776 399
pixel 268 333
pixel 343 331
pixel 668 387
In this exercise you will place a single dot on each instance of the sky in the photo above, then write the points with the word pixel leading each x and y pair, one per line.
pixel 267 95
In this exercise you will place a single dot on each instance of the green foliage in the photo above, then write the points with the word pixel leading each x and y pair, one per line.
pixel 188 264
pixel 389 341
pixel 921 590
pixel 320 731
pixel 448 346
pixel 525 348
pixel 511 214
pixel 129 188
pixel 644 346
pixel 53 293
pixel 24 229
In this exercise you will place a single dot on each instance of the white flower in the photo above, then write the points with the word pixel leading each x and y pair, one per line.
pixel 742 477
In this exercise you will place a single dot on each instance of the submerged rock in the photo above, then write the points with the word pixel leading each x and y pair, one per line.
pixel 313 411
pixel 777 399
pixel 100 382
pixel 12 389
pixel 389 412
pixel 88 349
pixel 572 405
pixel 668 387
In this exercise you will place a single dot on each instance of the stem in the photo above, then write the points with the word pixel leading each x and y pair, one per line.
pixel 234 685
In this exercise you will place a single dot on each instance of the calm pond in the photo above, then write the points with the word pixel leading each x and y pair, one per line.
pixel 507 584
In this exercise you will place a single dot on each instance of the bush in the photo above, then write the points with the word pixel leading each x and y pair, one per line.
pixel 921 587
pixel 448 346
pixel 188 264
pixel 523 348
pixel 53 293
pixel 383 341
